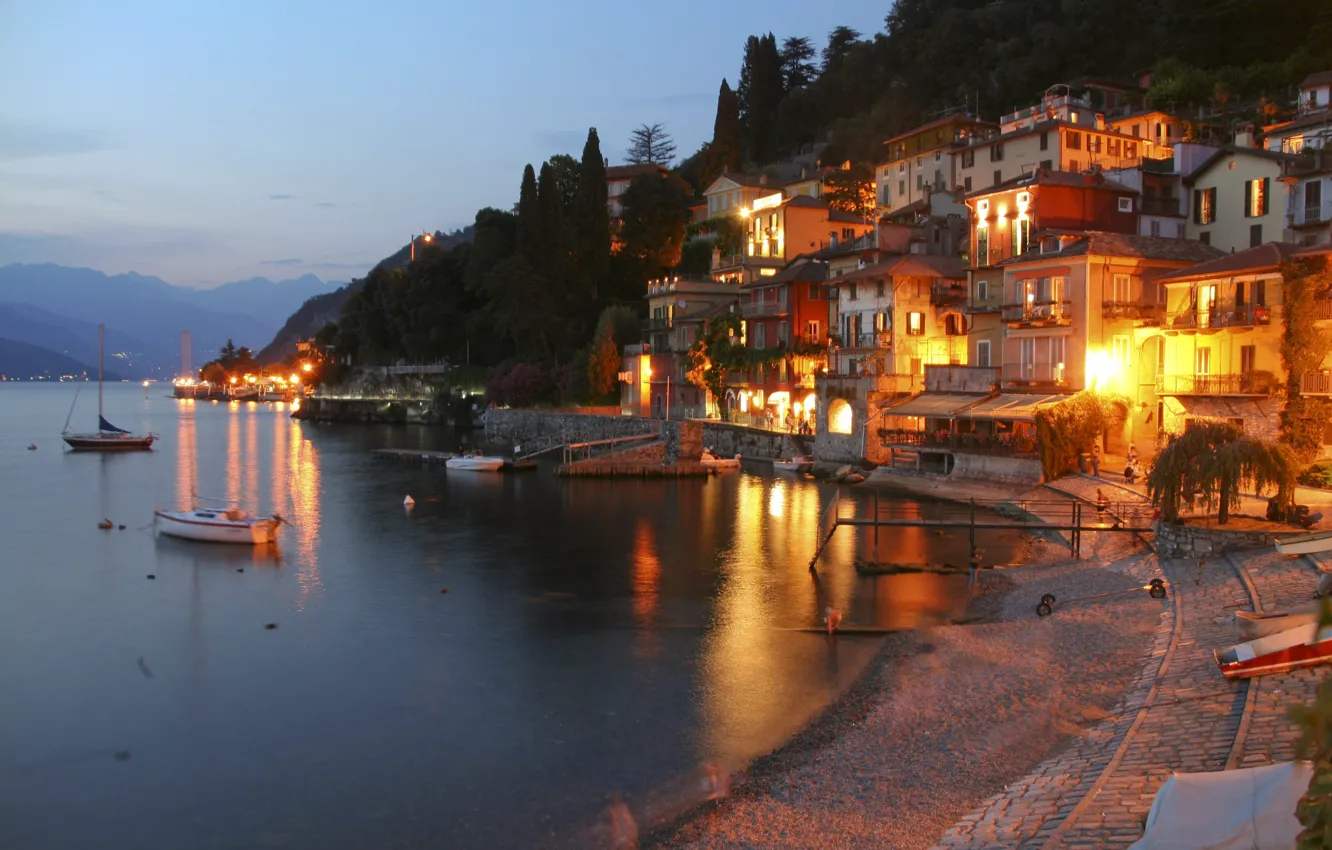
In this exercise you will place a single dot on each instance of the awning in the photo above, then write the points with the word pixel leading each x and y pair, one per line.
pixel 1220 407
pixel 933 405
pixel 1017 407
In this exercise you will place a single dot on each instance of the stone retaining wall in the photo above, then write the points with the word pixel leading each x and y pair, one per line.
pixel 729 440
pixel 390 411
pixel 1186 541
pixel 524 426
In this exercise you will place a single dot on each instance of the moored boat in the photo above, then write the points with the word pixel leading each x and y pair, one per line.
pixel 228 525
pixel 1251 626
pixel 797 465
pixel 1302 646
pixel 107 437
pixel 1305 544
pixel 711 460
pixel 475 462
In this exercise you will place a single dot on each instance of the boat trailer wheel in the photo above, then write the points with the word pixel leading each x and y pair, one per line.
pixel 1156 589
pixel 1044 609
pixel 1049 599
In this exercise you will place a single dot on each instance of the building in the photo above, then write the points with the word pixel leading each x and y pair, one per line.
pixel 1163 201
pixel 1312 125
pixel 1307 177
pixel 919 162
pixel 1078 311
pixel 618 178
pixel 1232 205
pixel 731 193
pixel 776 229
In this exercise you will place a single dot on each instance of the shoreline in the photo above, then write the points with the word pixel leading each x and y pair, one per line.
pixel 874 768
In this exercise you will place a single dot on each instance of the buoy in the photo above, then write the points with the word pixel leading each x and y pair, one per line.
pixel 150 575
pixel 104 524
pixel 240 570
pixel 121 526
pixel 271 626
pixel 408 501
pixel 445 590
pixel 32 447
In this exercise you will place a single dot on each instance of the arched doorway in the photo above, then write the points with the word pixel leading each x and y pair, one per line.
pixel 840 417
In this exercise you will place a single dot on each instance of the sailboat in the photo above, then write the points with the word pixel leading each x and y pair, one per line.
pixel 107 437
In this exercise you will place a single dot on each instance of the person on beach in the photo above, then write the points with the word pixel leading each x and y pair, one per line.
pixel 834 619
pixel 973 570
pixel 1096 460
pixel 1101 503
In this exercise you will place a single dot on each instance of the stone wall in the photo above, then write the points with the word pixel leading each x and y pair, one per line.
pixel 1186 541
pixel 516 427
pixel 389 411
pixel 1005 470
pixel 683 440
pixel 729 440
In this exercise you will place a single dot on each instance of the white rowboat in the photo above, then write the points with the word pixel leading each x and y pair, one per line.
pixel 217 526
pixel 1305 544
pixel 796 465
pixel 712 461
pixel 474 463
pixel 1252 626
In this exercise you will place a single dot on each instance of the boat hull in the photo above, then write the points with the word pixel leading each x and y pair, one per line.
pixel 1304 646
pixel 1252 626
pixel 794 466
pixel 474 464
pixel 213 528
pixel 108 442
pixel 1305 544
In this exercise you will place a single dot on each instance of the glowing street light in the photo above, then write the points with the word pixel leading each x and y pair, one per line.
pixel 295 379
pixel 425 237
pixel 306 367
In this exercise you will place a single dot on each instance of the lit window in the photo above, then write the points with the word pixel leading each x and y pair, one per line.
pixel 915 324
pixel 1120 348
pixel 1255 198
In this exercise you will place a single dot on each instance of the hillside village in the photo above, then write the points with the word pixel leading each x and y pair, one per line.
pixel 1087 242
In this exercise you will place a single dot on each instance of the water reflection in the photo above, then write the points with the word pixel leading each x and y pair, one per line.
pixel 303 481
pixel 646 589
pixel 187 456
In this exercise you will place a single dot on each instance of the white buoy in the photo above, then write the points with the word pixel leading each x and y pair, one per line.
pixel 408 501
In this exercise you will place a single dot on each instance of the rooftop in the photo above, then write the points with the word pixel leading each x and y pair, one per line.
pixel 1317 78
pixel 1231 150
pixel 1045 177
pixel 1101 243
pixel 1265 258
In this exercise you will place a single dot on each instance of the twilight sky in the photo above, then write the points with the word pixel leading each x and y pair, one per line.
pixel 207 142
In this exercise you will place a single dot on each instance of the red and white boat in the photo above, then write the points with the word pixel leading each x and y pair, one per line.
pixel 1303 646
pixel 228 525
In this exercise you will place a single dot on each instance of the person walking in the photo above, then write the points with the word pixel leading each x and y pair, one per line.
pixel 1101 504
pixel 1096 459
pixel 973 570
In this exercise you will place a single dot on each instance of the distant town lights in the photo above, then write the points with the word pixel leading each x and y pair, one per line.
pixel 306 367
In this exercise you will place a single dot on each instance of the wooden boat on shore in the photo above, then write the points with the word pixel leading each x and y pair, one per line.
pixel 1305 544
pixel 228 525
pixel 1302 646
pixel 797 465
pixel 713 461
pixel 1251 626
pixel 475 462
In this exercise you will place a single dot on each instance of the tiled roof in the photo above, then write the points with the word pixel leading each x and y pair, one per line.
pixel 955 118
pixel 1229 151
pixel 1265 258
pixel 1299 123
pixel 796 271
pixel 1045 177
pixel 1101 243
pixel 1317 78
pixel 908 265
pixel 629 172
pixel 845 217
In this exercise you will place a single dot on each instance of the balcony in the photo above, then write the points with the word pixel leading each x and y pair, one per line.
pixel 858 385
pixel 1128 310
pixel 764 308
pixel 1312 216
pixel 1322 307
pixel 1005 445
pixel 984 305
pixel 660 323
pixel 1038 314
pixel 1035 374
pixel 1316 383
pixel 1221 316
pixel 948 295
pixel 1161 206
pixel 1247 383
pixel 873 339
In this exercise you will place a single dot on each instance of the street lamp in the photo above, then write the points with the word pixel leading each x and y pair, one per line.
pixel 425 237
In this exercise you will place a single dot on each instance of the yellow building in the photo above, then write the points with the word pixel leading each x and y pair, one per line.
pixel 1233 202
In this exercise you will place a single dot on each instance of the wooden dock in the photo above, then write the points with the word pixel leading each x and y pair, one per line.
pixel 585 469
pixel 419 455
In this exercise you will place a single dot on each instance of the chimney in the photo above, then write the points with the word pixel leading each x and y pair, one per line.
pixel 1244 136
pixel 1100 120
pixel 605 161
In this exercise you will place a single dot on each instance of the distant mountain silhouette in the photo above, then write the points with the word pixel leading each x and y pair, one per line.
pixel 77 340
pixel 311 317
pixel 151 313
pixel 21 361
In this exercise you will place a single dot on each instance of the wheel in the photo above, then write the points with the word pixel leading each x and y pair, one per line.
pixel 1049 599
pixel 1044 609
pixel 1156 582
pixel 1157 592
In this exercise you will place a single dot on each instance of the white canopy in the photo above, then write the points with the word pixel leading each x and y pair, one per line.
pixel 1249 809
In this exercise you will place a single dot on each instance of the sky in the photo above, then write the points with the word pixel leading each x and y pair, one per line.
pixel 209 142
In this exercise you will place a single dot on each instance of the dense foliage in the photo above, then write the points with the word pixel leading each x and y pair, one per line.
pixel 1069 428
pixel 1304 347
pixel 1208 464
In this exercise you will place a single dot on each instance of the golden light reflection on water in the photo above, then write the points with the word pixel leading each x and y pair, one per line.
pixel 646 589
pixel 303 485
pixel 233 453
pixel 250 474
pixel 187 458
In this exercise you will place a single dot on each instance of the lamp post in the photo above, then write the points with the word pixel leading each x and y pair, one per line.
pixel 425 237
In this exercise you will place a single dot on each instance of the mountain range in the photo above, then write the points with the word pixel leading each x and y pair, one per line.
pixel 21 361
pixel 58 308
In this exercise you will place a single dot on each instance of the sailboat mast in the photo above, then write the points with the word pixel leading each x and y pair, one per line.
pixel 101 345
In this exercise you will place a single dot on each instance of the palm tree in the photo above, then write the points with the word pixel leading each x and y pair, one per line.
pixel 1210 462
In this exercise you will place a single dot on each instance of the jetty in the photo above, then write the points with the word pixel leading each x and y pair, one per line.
pixel 434 458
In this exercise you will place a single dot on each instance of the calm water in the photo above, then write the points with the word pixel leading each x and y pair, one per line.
pixel 597 636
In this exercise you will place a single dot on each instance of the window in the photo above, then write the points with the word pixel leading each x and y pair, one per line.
pixel 1255 198
pixel 1120 293
pixel 1204 206
pixel 1074 165
pixel 1130 150
pixel 998 177
pixel 1205 237
pixel 938 178
pixel 760 336
pixel 814 294
pixel 983 353
pixel 851 292
pixel 1248 355
pixel 880 322
pixel 982 291
pixel 1160 356
pixel 1137 131
pixel 938 156
pixel 1027 357
pixel 1313 200
pixel 1112 146
pixel 1156 227
pixel 1120 347
pixel 781 371
pixel 782 331
pixel 1021 235
pixel 920 180
pixel 966 184
pixel 901 188
pixel 1045 140
pixel 1202 361
pixel 915 324
pixel 968 159
pixel 1126 205
pixel 812 332
pixel 919 162
pixel 901 168
pixel 917 366
pixel 1255 235
pixel 997 152
pixel 1093 143
pixel 1057 358
pixel 878 289
pixel 1260 292
pixel 982 246
pixel 884 198
pixel 1047 164
pixel 1073 139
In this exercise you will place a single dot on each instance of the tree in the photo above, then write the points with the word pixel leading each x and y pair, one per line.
pixel 656 210
pixel 761 98
pixel 555 258
pixel 603 365
pixel 567 172
pixel 851 190
pixel 1208 464
pixel 797 69
pixel 650 144
pixel 1069 428
pixel 228 352
pixel 1314 721
pixel 592 219
pixel 839 45
pixel 521 307
pixel 529 219
pixel 725 150
pixel 710 355
pixel 1304 347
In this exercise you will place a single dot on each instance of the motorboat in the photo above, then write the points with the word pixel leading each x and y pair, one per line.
pixel 1305 544
pixel 475 462
pixel 713 461
pixel 1251 626
pixel 796 465
pixel 227 525
pixel 107 437
pixel 1303 646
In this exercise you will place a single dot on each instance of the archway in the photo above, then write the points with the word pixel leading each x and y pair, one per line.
pixel 840 417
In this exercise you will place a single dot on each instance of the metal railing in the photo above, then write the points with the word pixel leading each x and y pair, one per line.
pixel 658 323
pixel 1039 312
pixel 1322 308
pixel 987 305
pixel 1315 383
pixel 1128 310
pixel 1006 445
pixel 945 294
pixel 1246 383
pixel 874 339
pixel 1035 373
pixel 763 308
pixel 1160 206
pixel 1222 316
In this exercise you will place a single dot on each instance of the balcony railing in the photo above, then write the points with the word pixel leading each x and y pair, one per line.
pixel 1315 383
pixel 1222 316
pixel 1312 215
pixel 764 308
pixel 1038 313
pixel 1161 206
pixel 1247 383
pixel 874 339
pixel 947 295
pixel 1127 310
pixel 1034 373
pixel 1322 308
pixel 994 444
pixel 985 305
pixel 661 323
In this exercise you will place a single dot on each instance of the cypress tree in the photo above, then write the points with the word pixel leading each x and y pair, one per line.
pixel 554 236
pixel 593 219
pixel 724 152
pixel 764 97
pixel 529 219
